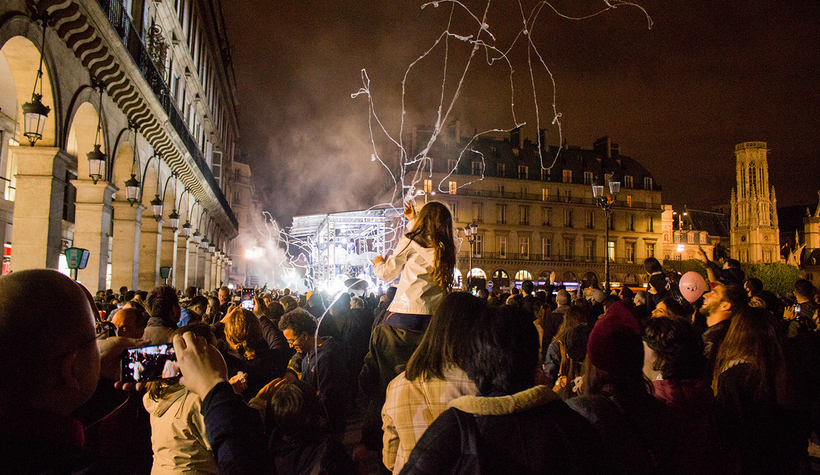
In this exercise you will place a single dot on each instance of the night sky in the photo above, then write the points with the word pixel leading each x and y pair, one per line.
pixel 676 97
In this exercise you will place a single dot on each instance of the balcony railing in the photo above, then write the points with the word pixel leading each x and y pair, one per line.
pixel 132 42
pixel 581 259
pixel 552 198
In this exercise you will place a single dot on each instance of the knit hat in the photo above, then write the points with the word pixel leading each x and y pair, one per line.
pixel 615 343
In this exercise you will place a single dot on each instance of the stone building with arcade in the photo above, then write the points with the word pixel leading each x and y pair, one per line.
pixel 117 119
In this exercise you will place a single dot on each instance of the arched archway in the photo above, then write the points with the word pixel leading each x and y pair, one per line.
pixel 500 278
pixel 522 275
pixel 81 137
pixel 590 279
pixel 569 276
pixel 22 59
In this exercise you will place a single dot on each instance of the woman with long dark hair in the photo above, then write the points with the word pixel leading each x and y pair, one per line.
pixel 513 425
pixel 424 260
pixel 432 379
pixel 756 405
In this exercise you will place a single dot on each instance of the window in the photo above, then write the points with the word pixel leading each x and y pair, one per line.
pixel 587 178
pixel 567 176
pixel 502 170
pixel 690 238
pixel 545 174
pixel 546 248
pixel 478 212
pixel 454 210
pixel 568 218
pixel 523 191
pixel 568 248
pixel 428 186
pixel 478 244
pixel 545 194
pixel 665 237
pixel 629 182
pixel 631 222
pixel 452 187
pixel 501 189
pixel 629 200
pixel 610 246
pixel 525 247
pixel 568 196
pixel 676 237
pixel 502 247
pixel 216 167
pixel 589 249
pixel 767 255
pixel 630 252
pixel 478 168
pixel 502 214
pixel 703 238
pixel 647 183
pixel 452 166
pixel 590 219
pixel 650 249
pixel 546 216
pixel 650 224
pixel 523 172
pixel 524 215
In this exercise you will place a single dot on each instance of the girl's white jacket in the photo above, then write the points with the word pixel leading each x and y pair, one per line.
pixel 416 293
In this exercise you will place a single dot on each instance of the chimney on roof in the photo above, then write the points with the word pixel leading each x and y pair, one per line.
pixel 515 137
pixel 602 146
pixel 542 138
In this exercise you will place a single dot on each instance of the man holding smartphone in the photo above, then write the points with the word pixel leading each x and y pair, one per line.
pixel 51 363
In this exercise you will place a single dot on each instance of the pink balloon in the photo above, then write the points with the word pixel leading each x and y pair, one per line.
pixel 692 286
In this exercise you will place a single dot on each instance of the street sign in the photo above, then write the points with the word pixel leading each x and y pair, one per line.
pixel 76 258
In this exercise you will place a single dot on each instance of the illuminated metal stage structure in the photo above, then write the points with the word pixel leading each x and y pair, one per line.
pixel 340 246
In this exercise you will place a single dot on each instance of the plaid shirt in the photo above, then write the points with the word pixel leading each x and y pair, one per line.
pixel 411 406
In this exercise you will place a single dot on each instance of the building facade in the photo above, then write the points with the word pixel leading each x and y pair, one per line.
pixel 687 231
pixel 150 87
pixel 754 228
pixel 248 212
pixel 542 223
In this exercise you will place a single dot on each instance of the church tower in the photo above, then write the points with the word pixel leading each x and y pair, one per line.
pixel 754 232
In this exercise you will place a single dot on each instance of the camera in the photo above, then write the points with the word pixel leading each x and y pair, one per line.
pixel 149 363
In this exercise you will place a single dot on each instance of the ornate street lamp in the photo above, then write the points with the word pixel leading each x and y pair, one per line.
pixel 605 202
pixel 196 237
pixel 156 208
pixel 96 158
pixel 35 112
pixel 186 229
pixel 132 185
pixel 470 232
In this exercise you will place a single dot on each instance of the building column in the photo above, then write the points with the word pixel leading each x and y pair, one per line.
pixel 219 273
pixel 200 268
pixel 38 207
pixel 180 275
pixel 214 273
pixel 207 270
pixel 125 255
pixel 191 269
pixel 150 236
pixel 92 227
pixel 168 252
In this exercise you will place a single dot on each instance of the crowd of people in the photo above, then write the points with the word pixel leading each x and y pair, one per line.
pixel 520 380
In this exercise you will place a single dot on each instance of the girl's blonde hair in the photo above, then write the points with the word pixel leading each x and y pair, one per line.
pixel 243 332
pixel 434 229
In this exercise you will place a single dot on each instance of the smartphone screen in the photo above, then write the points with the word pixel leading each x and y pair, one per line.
pixel 247 299
pixel 149 364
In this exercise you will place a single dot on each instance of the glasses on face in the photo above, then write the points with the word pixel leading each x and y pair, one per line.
pixel 292 341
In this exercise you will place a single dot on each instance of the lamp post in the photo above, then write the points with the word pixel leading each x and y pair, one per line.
pixel 680 258
pixel 605 202
pixel 470 232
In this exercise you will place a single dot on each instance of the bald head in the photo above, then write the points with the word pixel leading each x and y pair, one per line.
pixel 130 322
pixel 45 320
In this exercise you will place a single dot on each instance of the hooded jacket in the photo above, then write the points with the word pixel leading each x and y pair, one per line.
pixel 178 434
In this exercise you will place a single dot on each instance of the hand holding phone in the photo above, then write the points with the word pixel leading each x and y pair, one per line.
pixel 149 363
